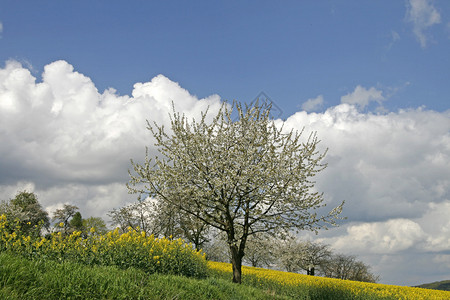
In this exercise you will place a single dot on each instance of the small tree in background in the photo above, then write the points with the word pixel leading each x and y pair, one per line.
pixel 25 209
pixel 348 267
pixel 162 220
pixel 314 255
pixel 290 254
pixel 62 216
pixel 138 216
pixel 216 248
pixel 261 250
pixel 98 225
pixel 76 223
pixel 240 177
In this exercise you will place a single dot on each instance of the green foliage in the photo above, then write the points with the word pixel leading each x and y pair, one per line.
pixel 96 223
pixel 25 211
pixel 77 222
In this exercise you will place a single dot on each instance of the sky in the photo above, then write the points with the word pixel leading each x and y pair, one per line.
pixel 79 79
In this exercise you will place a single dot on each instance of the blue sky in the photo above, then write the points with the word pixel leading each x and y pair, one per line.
pixel 293 52
pixel 79 79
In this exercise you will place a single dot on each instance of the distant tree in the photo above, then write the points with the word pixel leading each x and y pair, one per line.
pixel 314 255
pixel 217 249
pixel 25 209
pixel 261 250
pixel 296 255
pixel 62 216
pixel 76 223
pixel 137 216
pixel 290 254
pixel 162 220
pixel 94 225
pixel 241 174
pixel 348 267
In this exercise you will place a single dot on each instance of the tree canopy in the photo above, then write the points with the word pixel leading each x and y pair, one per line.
pixel 25 209
pixel 241 175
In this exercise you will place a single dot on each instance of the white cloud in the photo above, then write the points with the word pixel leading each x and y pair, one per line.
pixel 384 166
pixel 63 132
pixel 422 14
pixel 1 29
pixel 361 97
pixel 313 104
pixel 381 237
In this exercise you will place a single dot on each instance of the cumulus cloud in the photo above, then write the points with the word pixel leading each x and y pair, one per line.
pixel 381 237
pixel 63 131
pixel 422 14
pixel 395 163
pixel 313 104
pixel 361 97
pixel 1 29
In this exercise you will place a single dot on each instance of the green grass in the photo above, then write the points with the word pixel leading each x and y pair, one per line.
pixel 24 279
pixel 438 285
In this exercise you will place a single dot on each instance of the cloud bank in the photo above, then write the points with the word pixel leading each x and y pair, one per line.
pixel 70 143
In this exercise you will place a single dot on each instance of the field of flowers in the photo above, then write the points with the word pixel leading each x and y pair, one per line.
pixel 352 289
pixel 124 250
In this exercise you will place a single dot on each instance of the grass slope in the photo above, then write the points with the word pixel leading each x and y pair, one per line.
pixel 24 279
pixel 21 278
pixel 438 285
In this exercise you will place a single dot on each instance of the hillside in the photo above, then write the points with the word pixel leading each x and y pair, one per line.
pixel 437 285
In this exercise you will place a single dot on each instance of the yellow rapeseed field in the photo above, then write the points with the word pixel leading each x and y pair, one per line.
pixel 356 288
pixel 129 249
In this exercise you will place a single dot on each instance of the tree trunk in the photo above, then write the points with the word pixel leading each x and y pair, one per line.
pixel 236 262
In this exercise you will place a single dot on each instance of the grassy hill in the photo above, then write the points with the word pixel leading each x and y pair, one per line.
pixel 21 278
pixel 438 285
